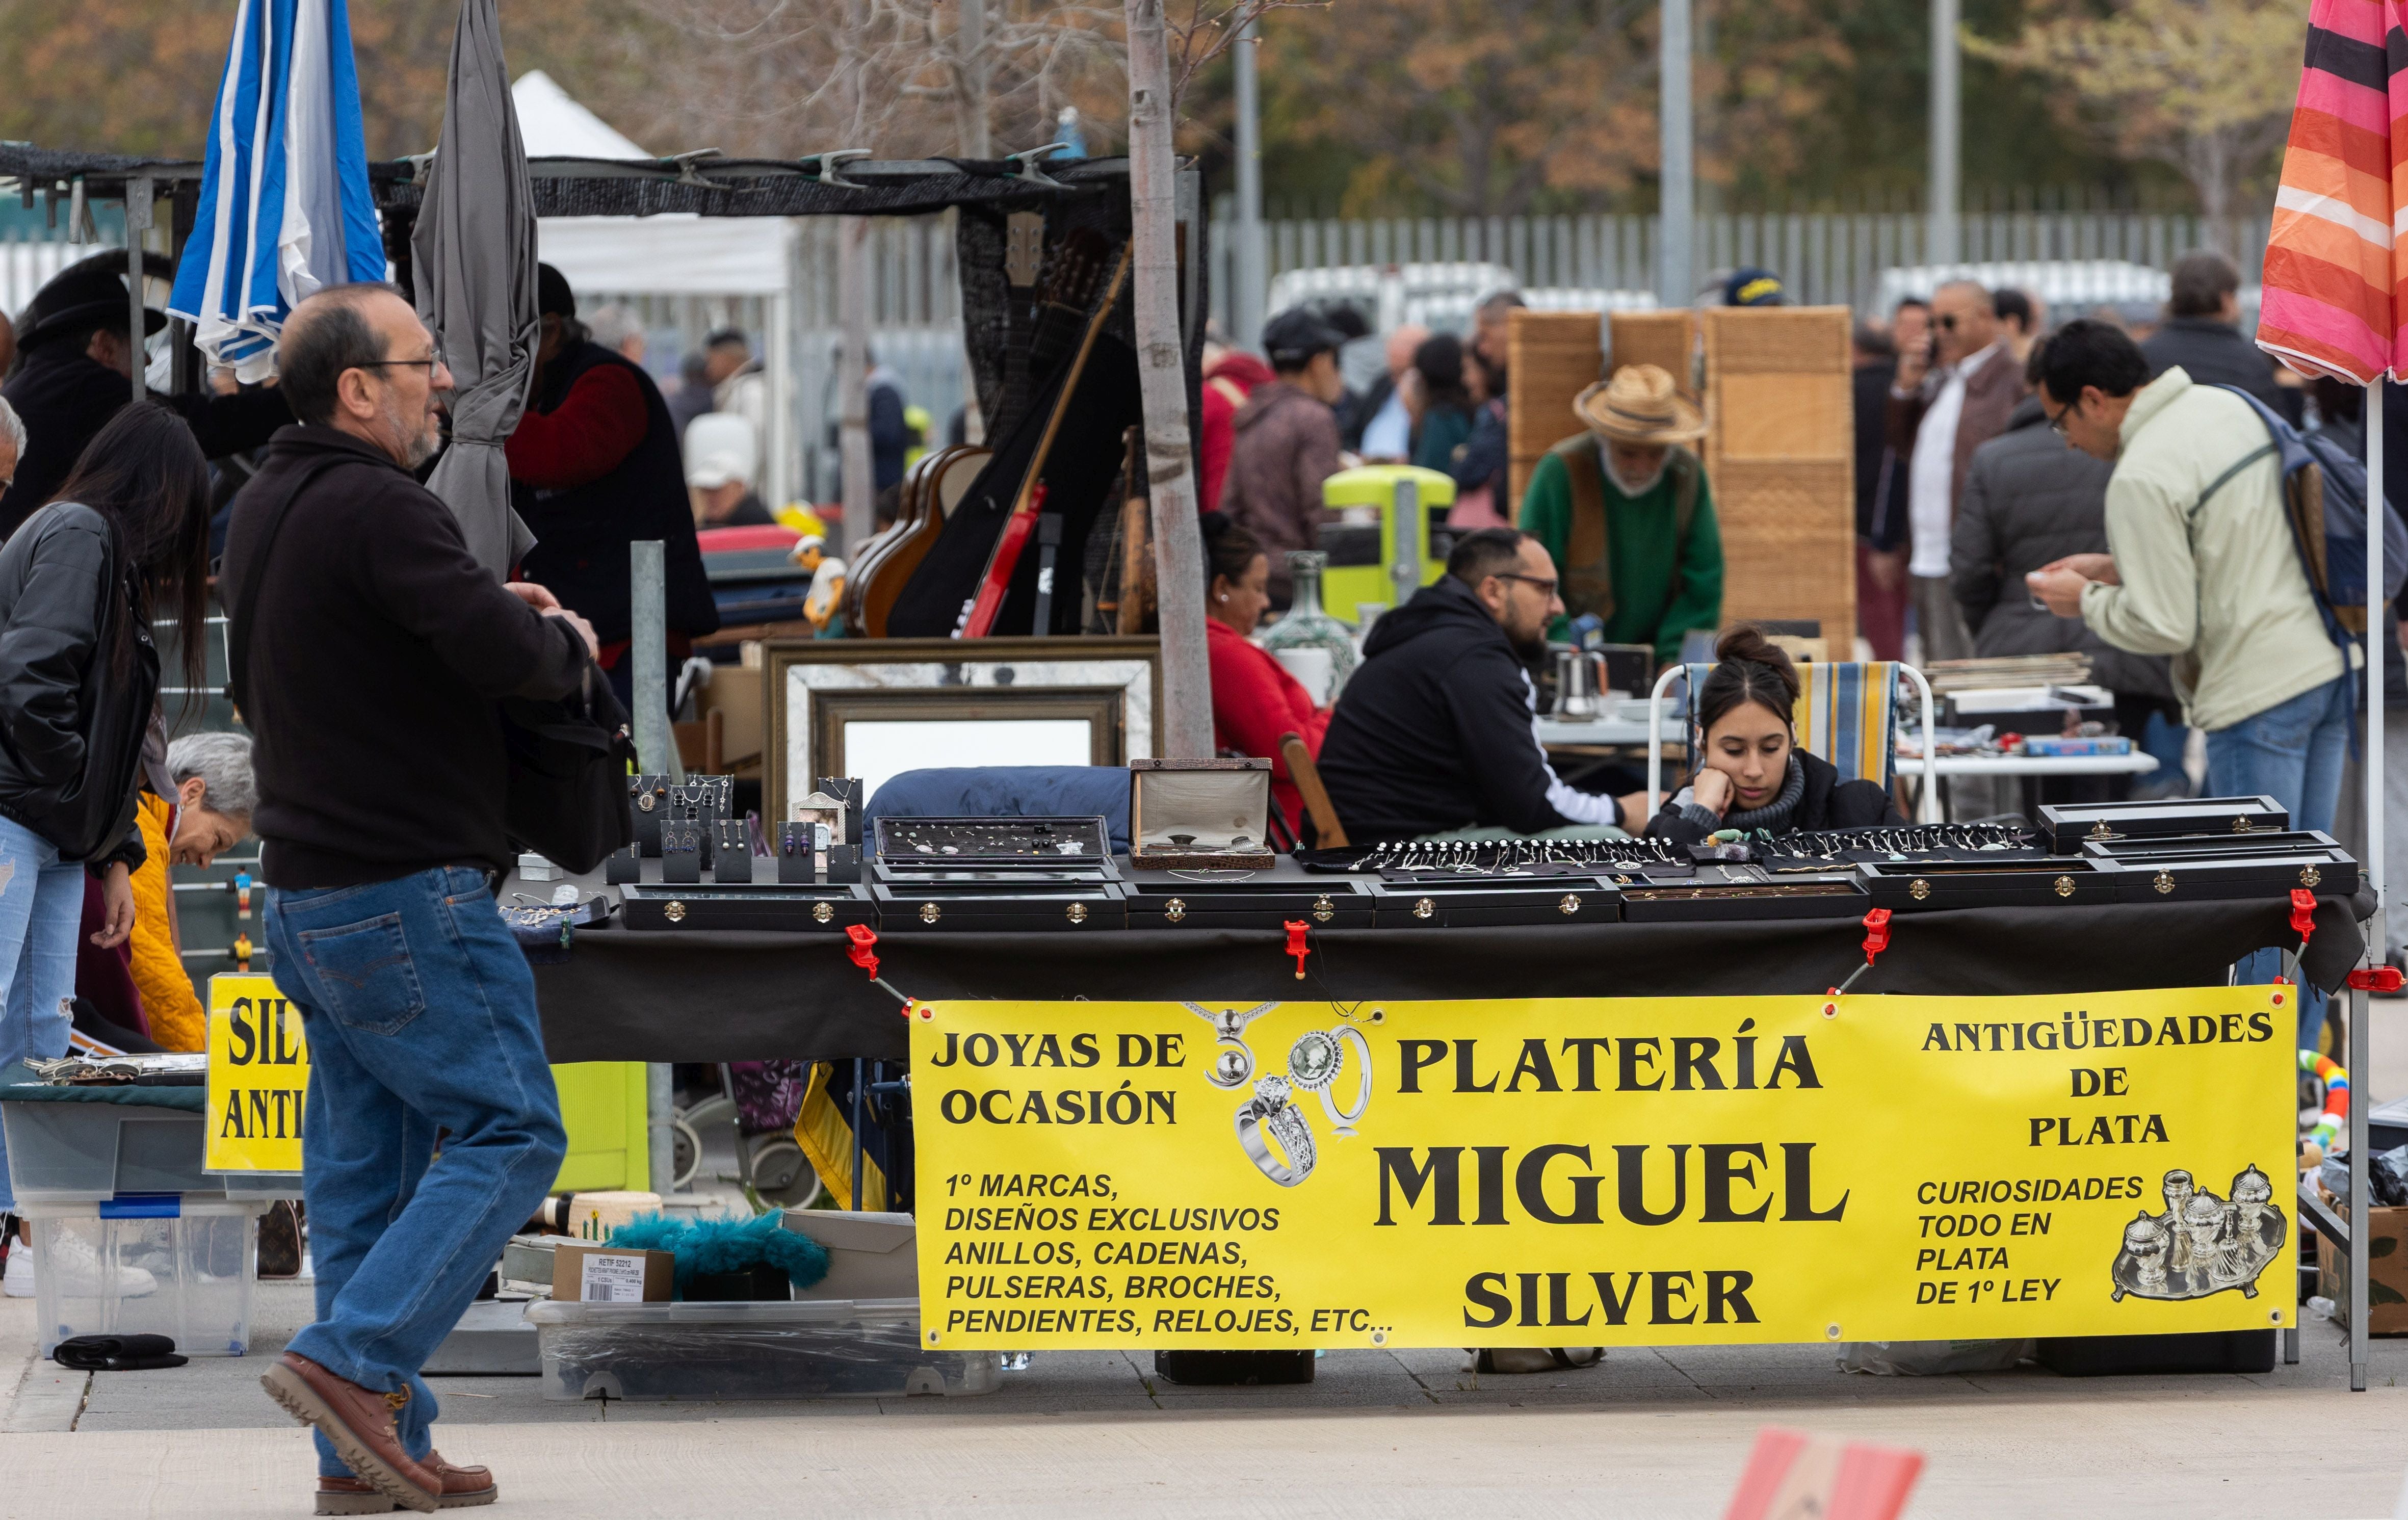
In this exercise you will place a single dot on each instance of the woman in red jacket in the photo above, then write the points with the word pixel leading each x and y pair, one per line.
pixel 1255 700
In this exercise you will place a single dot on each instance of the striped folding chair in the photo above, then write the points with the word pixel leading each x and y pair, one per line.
pixel 1846 716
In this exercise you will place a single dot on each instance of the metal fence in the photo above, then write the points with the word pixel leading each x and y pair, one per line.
pixel 1826 258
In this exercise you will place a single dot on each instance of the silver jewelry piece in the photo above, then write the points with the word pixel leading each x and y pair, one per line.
pixel 1285 1124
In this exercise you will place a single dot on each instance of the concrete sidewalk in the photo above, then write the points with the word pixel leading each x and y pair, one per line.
pixel 1647 1433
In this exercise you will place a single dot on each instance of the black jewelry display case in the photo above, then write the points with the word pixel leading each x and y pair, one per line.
pixel 974 875
pixel 1198 898
pixel 824 906
pixel 1731 891
pixel 2258 866
pixel 2016 881
pixel 2067 826
pixel 1414 900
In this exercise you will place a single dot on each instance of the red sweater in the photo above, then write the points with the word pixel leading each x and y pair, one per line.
pixel 596 425
pixel 1254 701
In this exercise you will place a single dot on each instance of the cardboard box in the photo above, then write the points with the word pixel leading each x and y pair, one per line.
pixel 601 1274
pixel 2386 1260
pixel 870 1256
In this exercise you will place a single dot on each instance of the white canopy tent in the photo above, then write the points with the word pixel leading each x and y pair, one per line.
pixel 676 253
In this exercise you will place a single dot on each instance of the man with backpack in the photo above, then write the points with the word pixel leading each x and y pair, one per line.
pixel 2203 565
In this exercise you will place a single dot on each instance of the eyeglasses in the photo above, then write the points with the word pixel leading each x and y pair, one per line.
pixel 1546 587
pixel 429 364
pixel 2056 419
pixel 1948 322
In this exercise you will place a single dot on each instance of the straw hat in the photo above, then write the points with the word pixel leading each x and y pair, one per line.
pixel 1639 404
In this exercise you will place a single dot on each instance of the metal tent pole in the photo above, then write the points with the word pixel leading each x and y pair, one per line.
pixel 1940 240
pixel 1677 215
pixel 138 221
pixel 2360 1044
pixel 1251 295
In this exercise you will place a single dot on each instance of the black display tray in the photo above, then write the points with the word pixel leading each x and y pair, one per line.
pixel 2257 865
pixel 1664 899
pixel 2068 824
pixel 1004 904
pixel 813 908
pixel 1245 899
pixel 1484 902
pixel 2018 882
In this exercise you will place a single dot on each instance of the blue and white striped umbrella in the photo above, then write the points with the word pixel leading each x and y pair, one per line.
pixel 284 205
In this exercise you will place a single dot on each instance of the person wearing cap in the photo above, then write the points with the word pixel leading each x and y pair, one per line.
pixel 1286 442
pixel 75 356
pixel 720 448
pixel 1754 287
pixel 594 468
pixel 1626 514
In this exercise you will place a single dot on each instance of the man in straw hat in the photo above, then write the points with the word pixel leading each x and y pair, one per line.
pixel 1626 514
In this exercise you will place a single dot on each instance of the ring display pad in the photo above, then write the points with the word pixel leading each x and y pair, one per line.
pixel 1199 813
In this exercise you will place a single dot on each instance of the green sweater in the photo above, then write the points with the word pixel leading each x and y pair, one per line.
pixel 1656 601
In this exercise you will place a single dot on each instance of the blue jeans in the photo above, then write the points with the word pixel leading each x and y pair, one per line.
pixel 420 1015
pixel 42 908
pixel 2292 753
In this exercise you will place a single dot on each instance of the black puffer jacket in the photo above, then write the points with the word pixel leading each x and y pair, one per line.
pixel 1438 730
pixel 2030 500
pixel 71 729
pixel 1827 802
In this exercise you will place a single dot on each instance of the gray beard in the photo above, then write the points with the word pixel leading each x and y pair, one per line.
pixel 416 446
pixel 1636 488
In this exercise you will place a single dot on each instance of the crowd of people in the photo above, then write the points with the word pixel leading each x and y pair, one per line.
pixel 2022 488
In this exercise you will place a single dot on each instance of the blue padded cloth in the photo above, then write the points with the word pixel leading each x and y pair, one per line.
pixel 1007 792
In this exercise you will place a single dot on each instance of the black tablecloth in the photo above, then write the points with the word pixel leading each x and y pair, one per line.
pixel 645 996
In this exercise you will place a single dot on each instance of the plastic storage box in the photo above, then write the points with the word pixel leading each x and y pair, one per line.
pixel 712 1352
pixel 202 1257
pixel 64 1152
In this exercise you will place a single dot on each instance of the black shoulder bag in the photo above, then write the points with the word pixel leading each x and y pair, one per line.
pixel 566 794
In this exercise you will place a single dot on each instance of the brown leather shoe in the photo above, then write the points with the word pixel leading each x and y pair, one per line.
pixel 462 1488
pixel 359 1421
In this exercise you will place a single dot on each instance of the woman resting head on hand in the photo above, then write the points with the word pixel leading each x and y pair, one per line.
pixel 1752 776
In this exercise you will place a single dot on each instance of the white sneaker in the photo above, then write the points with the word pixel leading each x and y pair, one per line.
pixel 78 1268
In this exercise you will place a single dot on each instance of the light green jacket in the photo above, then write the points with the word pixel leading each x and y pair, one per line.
pixel 2217 586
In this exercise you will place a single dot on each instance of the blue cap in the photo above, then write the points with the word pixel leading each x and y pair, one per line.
pixel 1754 287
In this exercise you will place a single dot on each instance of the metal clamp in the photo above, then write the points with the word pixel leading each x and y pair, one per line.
pixel 832 167
pixel 1029 173
pixel 685 163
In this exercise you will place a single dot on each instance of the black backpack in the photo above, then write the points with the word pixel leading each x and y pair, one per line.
pixel 566 794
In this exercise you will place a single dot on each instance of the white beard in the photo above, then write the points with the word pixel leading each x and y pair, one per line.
pixel 1640 487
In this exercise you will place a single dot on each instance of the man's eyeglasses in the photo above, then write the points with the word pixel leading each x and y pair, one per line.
pixel 1948 322
pixel 2056 419
pixel 429 364
pixel 1546 587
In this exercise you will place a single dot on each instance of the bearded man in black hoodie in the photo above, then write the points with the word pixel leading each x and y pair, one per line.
pixel 1438 730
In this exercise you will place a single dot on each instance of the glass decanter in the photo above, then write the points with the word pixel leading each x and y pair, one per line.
pixel 1305 627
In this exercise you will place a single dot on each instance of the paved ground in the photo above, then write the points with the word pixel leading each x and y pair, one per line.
pixel 1648 1434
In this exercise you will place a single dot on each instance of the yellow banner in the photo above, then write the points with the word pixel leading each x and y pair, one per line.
pixel 259 1071
pixel 1641 1171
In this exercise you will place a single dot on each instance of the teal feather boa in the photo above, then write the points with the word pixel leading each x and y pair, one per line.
pixel 727 1245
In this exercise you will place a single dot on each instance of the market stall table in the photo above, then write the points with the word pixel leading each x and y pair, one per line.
pixel 625 995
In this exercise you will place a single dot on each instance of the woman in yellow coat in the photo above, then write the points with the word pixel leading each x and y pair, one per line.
pixel 210 811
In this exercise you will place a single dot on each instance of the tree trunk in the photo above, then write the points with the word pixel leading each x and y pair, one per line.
pixel 1170 468
pixel 970 84
pixel 860 489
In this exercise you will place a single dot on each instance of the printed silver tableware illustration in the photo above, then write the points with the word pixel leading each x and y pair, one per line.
pixel 2201 1245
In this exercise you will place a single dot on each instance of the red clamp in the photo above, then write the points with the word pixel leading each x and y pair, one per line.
pixel 1296 929
pixel 2382 979
pixel 859 951
pixel 1876 941
pixel 2303 914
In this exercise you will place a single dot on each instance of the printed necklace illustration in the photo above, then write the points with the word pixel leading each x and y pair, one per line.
pixel 1314 1063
